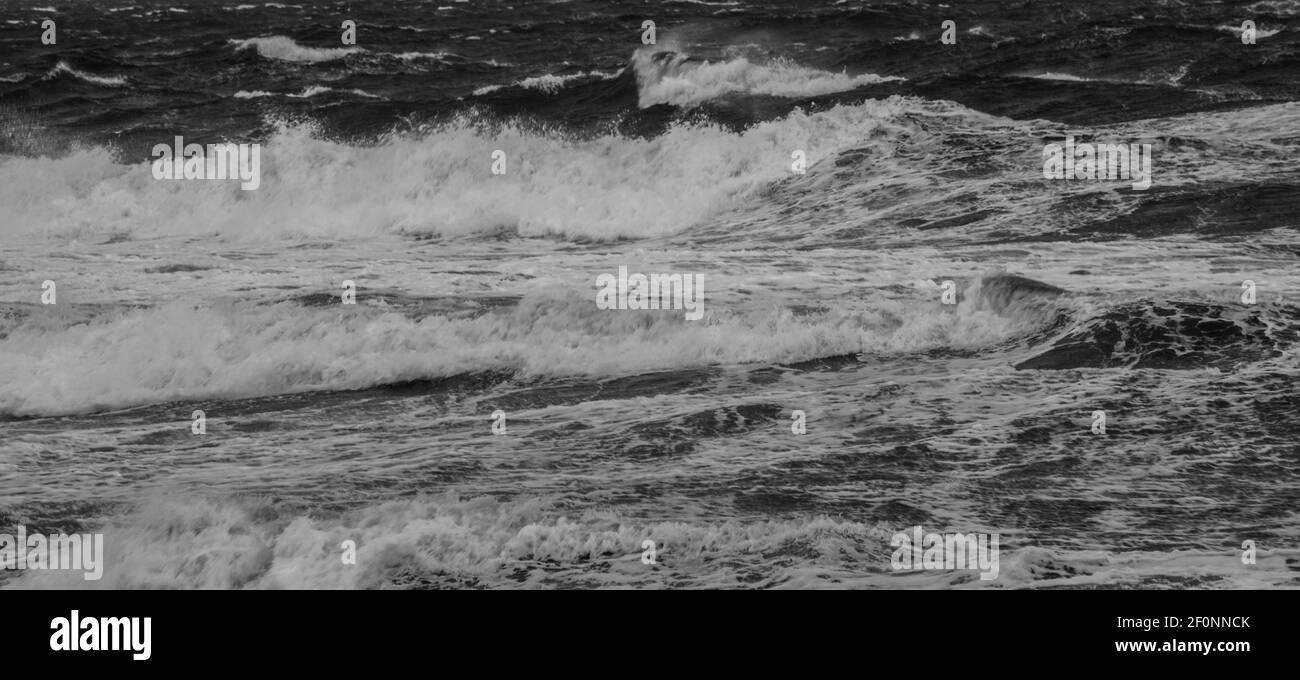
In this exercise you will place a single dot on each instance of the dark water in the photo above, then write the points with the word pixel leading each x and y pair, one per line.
pixel 138 72
pixel 373 422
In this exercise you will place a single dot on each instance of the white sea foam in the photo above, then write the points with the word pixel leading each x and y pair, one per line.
pixel 608 187
pixel 550 84
pixel 669 78
pixel 284 48
pixel 1052 75
pixel 530 542
pixel 107 81
pixel 413 56
pixel 321 89
pixel 182 351
pixel 1260 32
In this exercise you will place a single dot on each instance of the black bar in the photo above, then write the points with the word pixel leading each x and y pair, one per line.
pixel 944 632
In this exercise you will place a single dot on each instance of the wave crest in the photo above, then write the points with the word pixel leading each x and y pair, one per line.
pixel 62 68
pixel 666 77
pixel 603 188
pixel 284 48
pixel 180 352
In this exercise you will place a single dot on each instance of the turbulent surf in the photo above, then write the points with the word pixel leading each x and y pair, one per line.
pixel 865 206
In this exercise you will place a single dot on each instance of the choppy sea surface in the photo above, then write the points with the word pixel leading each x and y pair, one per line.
pixel 373 422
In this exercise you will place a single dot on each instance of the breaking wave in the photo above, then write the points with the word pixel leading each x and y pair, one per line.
pixel 284 48
pixel 668 77
pixel 75 363
pixel 62 68
pixel 439 182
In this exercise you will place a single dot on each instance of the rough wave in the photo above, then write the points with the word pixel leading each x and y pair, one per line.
pixel 548 84
pixel 442 541
pixel 604 188
pixel 75 363
pixel 284 48
pixel 1172 335
pixel 449 541
pixel 665 77
pixel 107 81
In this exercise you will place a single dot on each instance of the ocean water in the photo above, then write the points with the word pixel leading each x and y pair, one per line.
pixel 476 293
